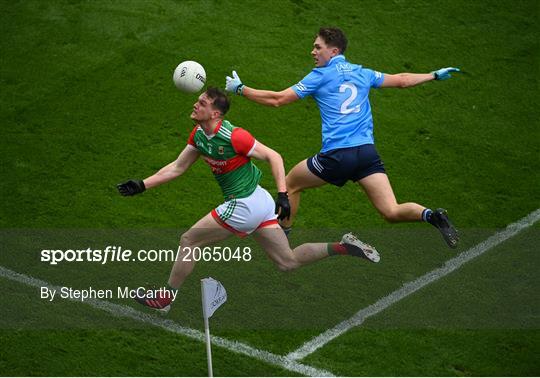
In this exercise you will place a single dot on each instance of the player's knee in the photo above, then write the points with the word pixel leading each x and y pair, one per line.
pixel 287 266
pixel 294 183
pixel 292 187
pixel 390 215
pixel 187 240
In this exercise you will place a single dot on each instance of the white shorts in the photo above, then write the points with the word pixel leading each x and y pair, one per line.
pixel 242 216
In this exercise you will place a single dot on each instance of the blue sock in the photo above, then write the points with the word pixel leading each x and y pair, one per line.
pixel 426 215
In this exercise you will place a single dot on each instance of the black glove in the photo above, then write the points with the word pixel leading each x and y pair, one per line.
pixel 283 207
pixel 131 187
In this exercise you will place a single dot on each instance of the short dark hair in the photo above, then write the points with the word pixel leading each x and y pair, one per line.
pixel 334 37
pixel 220 100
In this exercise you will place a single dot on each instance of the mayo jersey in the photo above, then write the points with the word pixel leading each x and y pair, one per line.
pixel 227 152
pixel 341 91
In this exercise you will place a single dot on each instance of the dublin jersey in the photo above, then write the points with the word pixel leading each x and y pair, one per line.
pixel 227 153
pixel 341 91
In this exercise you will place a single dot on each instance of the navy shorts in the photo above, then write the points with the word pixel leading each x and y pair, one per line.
pixel 352 163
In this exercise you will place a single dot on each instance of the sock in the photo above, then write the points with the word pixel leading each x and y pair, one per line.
pixel 167 298
pixel 336 249
pixel 426 215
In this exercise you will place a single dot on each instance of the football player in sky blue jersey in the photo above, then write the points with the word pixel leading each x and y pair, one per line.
pixel 341 91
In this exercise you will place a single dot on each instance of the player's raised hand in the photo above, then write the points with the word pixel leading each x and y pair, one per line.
pixel 234 84
pixel 444 73
pixel 131 187
pixel 283 207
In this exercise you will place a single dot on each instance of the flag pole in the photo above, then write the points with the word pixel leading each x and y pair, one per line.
pixel 208 347
pixel 207 333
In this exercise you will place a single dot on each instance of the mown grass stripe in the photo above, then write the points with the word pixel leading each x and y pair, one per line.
pixel 171 326
pixel 413 286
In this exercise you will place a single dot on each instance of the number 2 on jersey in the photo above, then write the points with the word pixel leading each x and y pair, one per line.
pixel 354 92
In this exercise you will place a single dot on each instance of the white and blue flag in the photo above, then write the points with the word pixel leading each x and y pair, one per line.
pixel 213 296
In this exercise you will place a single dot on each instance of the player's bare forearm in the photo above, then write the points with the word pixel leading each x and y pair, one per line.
pixel 406 80
pixel 270 98
pixel 260 96
pixel 165 174
pixel 412 79
pixel 278 171
pixel 262 152
pixel 174 169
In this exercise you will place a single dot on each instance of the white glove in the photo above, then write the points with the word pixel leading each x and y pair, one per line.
pixel 234 84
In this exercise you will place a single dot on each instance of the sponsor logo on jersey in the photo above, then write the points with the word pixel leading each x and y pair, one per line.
pixel 221 150
pixel 224 166
pixel 344 67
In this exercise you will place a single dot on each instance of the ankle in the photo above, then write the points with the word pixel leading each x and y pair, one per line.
pixel 427 216
pixel 336 249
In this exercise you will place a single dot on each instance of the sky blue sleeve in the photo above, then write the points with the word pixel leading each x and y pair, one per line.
pixel 376 78
pixel 308 85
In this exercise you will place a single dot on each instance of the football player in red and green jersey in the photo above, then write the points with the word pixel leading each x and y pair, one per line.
pixel 248 208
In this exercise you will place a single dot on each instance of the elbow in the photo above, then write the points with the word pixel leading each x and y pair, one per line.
pixel 276 102
pixel 275 158
pixel 178 171
pixel 279 99
pixel 278 157
pixel 404 83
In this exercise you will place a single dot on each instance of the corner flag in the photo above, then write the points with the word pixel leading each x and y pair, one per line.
pixel 213 296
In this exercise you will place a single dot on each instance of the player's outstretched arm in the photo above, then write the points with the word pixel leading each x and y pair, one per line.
pixel 270 98
pixel 174 169
pixel 406 80
pixel 262 152
pixel 169 172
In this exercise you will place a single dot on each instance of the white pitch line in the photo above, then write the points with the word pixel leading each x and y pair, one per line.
pixel 169 325
pixel 411 287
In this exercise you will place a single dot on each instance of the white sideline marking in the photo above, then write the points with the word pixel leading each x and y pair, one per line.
pixel 410 287
pixel 169 325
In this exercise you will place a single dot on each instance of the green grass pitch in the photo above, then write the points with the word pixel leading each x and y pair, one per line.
pixel 87 101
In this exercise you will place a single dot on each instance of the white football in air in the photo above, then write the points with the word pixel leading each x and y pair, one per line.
pixel 189 76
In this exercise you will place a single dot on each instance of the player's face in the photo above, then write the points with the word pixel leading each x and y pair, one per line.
pixel 322 53
pixel 203 109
